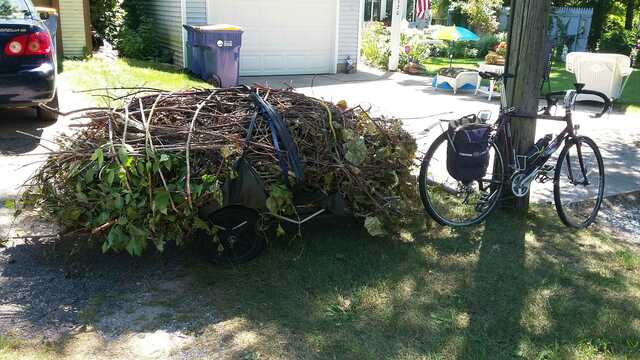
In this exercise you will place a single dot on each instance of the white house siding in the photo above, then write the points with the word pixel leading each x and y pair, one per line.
pixel 167 20
pixel 73 28
pixel 196 12
pixel 348 30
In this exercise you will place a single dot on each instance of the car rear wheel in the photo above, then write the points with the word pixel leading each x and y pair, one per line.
pixel 46 115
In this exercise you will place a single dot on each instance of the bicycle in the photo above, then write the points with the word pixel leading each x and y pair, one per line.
pixel 578 170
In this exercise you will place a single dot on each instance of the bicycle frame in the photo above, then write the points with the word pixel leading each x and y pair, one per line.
pixel 518 163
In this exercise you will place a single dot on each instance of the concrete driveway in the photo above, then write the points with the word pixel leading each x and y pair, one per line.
pixel 20 155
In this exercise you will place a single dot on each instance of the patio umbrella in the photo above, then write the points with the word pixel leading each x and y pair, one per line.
pixel 454 33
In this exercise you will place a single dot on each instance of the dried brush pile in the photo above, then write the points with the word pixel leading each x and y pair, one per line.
pixel 141 173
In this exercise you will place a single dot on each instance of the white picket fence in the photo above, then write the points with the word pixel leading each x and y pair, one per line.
pixel 576 20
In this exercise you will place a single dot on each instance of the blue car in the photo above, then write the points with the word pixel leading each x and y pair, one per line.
pixel 27 60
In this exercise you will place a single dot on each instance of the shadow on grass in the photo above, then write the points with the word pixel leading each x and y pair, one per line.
pixel 168 68
pixel 499 291
pixel 514 287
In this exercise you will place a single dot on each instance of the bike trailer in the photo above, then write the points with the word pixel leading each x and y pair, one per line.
pixel 468 149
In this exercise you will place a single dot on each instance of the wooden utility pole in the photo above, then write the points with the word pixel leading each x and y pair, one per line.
pixel 526 60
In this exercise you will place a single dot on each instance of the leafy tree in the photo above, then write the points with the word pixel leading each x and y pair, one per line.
pixel 482 14
pixel 6 8
pixel 107 18
pixel 440 8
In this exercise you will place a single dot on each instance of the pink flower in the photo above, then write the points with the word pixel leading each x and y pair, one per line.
pixel 407 49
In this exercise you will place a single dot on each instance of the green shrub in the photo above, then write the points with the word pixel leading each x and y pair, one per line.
pixel 486 43
pixel 617 40
pixel 139 43
pixel 376 45
pixel 137 38
pixel 107 18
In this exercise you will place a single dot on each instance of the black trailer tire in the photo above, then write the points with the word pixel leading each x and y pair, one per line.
pixel 239 240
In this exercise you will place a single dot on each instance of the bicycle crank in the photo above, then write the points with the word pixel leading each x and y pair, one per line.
pixel 519 185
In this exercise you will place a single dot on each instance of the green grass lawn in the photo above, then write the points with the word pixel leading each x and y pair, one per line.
pixel 517 287
pixel 560 80
pixel 96 73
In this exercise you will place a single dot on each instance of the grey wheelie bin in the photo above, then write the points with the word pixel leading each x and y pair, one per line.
pixel 213 52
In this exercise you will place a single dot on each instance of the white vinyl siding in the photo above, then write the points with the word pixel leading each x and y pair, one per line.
pixel 196 12
pixel 72 28
pixel 348 30
pixel 167 21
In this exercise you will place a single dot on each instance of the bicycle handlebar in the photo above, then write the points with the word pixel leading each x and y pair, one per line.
pixel 607 102
pixel 550 101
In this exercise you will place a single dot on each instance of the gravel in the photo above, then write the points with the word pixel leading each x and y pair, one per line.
pixel 620 215
pixel 50 289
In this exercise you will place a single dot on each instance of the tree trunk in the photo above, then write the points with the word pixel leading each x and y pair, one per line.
pixel 598 21
pixel 525 60
pixel 628 22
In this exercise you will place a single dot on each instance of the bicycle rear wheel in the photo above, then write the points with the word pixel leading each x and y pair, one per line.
pixel 578 187
pixel 450 202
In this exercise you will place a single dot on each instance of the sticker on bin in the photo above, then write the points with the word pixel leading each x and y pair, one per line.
pixel 226 43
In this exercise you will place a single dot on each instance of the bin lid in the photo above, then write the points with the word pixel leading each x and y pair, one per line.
pixel 219 27
pixel 47 10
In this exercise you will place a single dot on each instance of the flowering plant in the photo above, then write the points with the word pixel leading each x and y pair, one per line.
pixel 501 49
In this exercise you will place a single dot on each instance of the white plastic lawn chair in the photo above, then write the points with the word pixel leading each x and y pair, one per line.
pixel 462 79
pixel 607 73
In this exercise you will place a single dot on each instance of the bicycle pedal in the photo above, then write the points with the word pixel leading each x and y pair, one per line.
pixel 546 174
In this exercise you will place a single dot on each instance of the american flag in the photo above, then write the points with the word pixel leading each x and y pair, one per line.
pixel 422 8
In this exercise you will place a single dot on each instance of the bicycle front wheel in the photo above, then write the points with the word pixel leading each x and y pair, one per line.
pixel 451 202
pixel 578 187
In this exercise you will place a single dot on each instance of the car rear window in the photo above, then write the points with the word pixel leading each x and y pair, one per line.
pixel 14 9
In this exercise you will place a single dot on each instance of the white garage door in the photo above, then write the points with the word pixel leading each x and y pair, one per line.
pixel 282 37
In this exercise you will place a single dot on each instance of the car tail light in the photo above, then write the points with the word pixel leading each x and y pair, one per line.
pixel 38 43
pixel 16 45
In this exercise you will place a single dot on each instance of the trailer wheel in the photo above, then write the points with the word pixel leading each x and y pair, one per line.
pixel 238 235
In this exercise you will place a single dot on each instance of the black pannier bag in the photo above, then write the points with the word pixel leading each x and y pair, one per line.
pixel 468 149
